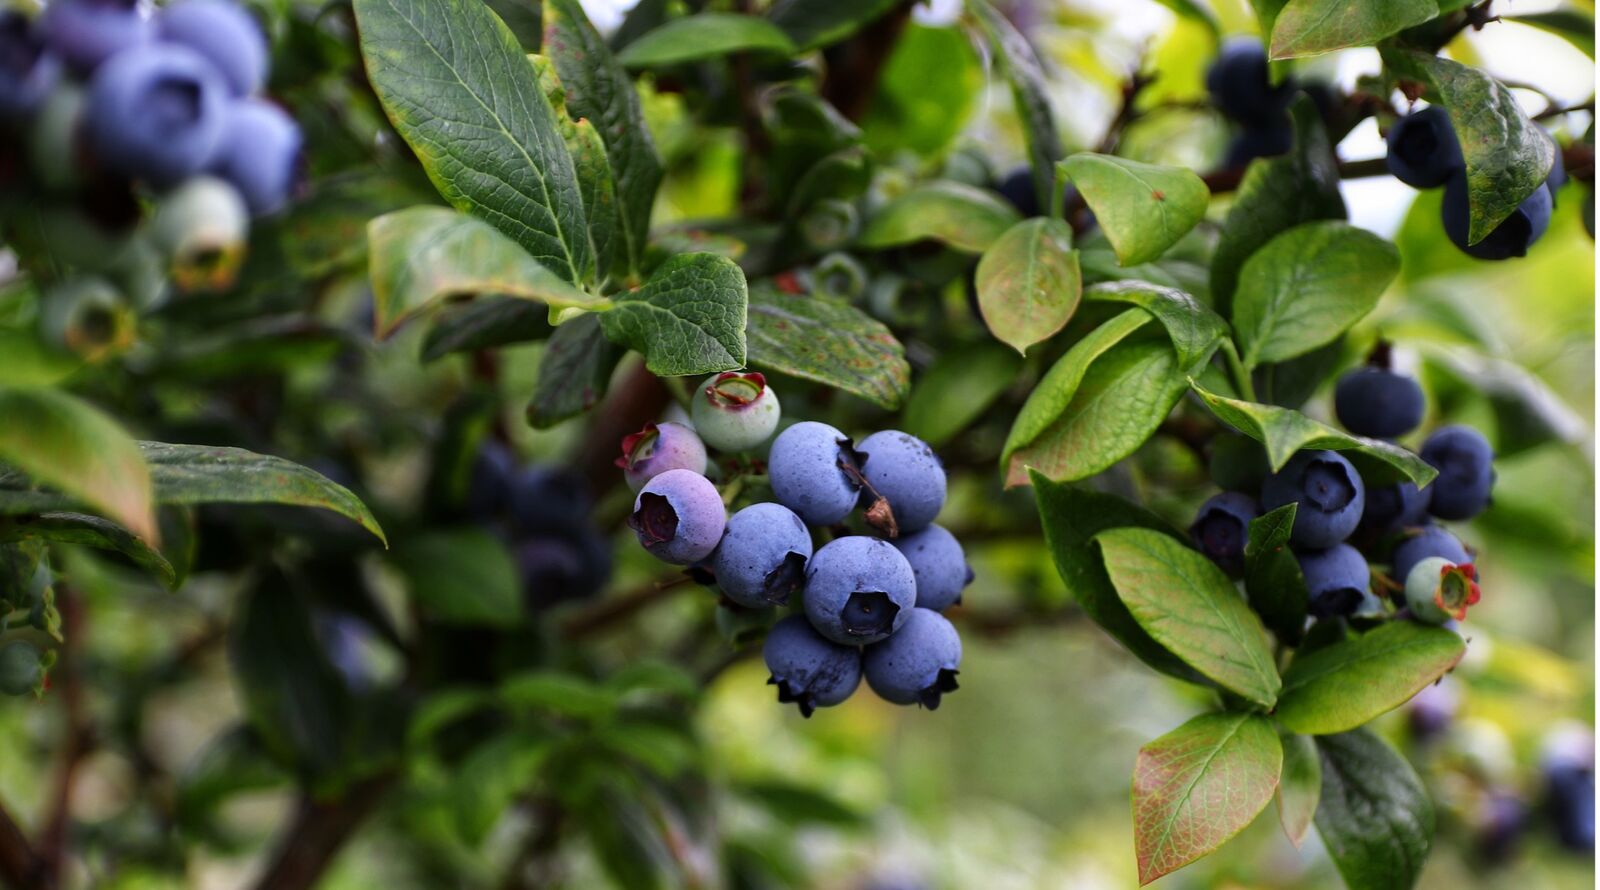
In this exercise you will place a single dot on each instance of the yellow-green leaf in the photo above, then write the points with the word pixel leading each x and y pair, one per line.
pixel 1143 208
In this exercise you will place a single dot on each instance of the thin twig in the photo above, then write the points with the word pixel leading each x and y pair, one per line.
pixel 68 681
pixel 609 611
pixel 19 867
pixel 318 832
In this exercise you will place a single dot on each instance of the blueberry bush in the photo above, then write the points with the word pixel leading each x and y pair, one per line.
pixel 425 424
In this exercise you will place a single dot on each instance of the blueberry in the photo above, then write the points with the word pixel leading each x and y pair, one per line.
pixel 902 470
pixel 557 568
pixel 202 225
pixel 27 71
pixel 21 668
pixel 1337 580
pixel 1423 150
pixel 939 564
pixel 735 411
pixel 917 665
pixel 1438 590
pixel 762 557
pixel 806 466
pixel 259 154
pixel 547 500
pixel 1017 188
pixel 807 669
pixel 1557 177
pixel 1431 711
pixel 657 448
pixel 1222 526
pixel 1329 492
pixel 1393 507
pixel 1377 402
pixel 1466 472
pixel 1511 238
pixel 1569 785
pixel 1262 140
pixel 1241 86
pixel 859 590
pixel 86 33
pixel 1501 820
pixel 223 32
pixel 1430 541
pixel 489 481
pixel 156 113
pixel 679 517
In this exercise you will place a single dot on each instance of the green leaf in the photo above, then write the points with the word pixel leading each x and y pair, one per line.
pixel 1574 24
pixel 599 90
pixel 1194 11
pixel 828 341
pixel 1195 330
pixel 595 180
pixel 1374 816
pixel 926 93
pixel 1284 431
pixel 93 531
pixel 458 87
pixel 422 256
pixel 1300 786
pixel 1347 684
pixel 814 23
pixel 1272 576
pixel 1527 411
pixel 1054 393
pixel 66 443
pixel 559 693
pixel 487 322
pixel 1507 155
pixel 706 35
pixel 491 778
pixel 1123 396
pixel 464 576
pixel 1028 282
pixel 957 389
pixel 843 176
pixel 1030 94
pixel 1276 195
pixel 795 803
pixel 1189 606
pixel 689 318
pixel 1290 383
pixel 1071 517
pixel 1198 786
pixel 966 218
pixel 1313 27
pixel 25 360
pixel 573 372
pixel 1143 208
pixel 1307 286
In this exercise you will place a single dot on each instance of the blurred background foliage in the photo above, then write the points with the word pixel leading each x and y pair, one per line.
pixel 1019 781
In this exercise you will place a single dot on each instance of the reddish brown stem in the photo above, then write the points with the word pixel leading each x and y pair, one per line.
pixel 319 830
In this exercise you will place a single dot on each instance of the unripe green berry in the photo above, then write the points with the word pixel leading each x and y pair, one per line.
pixel 202 226
pixel 1438 590
pixel 840 275
pixel 21 668
pixel 87 316
pixel 735 410
pixel 829 224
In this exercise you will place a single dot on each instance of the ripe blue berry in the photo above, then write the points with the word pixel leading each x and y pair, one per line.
pixel 1377 402
pixel 679 517
pixel 1337 580
pixel 223 32
pixel 917 665
pixel 1466 472
pixel 1240 85
pixel 905 472
pixel 1330 494
pixel 557 568
pixel 1393 507
pixel 27 71
pixel 489 481
pixel 1511 238
pixel 1018 190
pixel 156 112
pixel 20 667
pixel 859 590
pixel 1430 541
pixel 1423 150
pixel 1431 711
pixel 939 565
pixel 1262 140
pixel 1557 177
pixel 762 557
pixel 657 448
pixel 259 154
pixel 734 410
pixel 1438 590
pixel 1569 784
pixel 547 500
pixel 808 670
pixel 806 466
pixel 86 33
pixel 1221 528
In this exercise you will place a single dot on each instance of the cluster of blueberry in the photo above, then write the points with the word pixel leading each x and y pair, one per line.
pixel 1341 519
pixel 1424 153
pixel 542 512
pixel 102 100
pixel 1241 87
pixel 882 591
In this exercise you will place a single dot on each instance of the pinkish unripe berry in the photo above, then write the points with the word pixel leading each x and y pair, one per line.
pixel 657 448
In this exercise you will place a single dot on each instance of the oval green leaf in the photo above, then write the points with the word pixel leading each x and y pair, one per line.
pixel 967 218
pixel 1028 282
pixel 689 318
pixel 1190 607
pixel 1347 684
pixel 828 341
pixel 1143 208
pixel 1374 814
pixel 957 389
pixel 1313 27
pixel 1195 330
pixel 1272 577
pixel 1198 786
pixel 707 35
pixel 1300 786
pixel 1030 94
pixel 464 576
